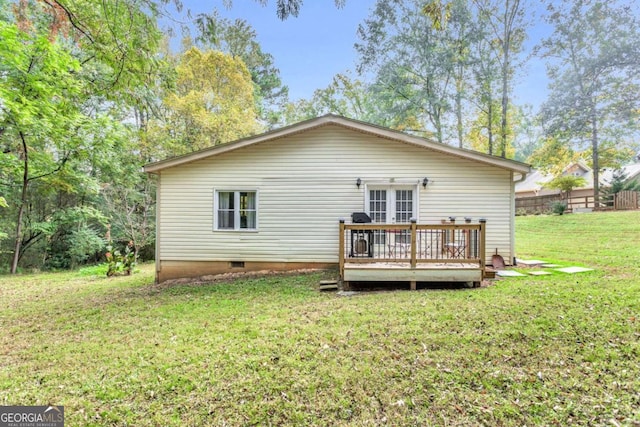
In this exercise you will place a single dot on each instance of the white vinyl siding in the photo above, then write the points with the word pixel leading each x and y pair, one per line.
pixel 306 182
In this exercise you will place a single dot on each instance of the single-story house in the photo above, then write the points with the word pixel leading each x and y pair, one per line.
pixel 532 193
pixel 276 200
pixel 534 184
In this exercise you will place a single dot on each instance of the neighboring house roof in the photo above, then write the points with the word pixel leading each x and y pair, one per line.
pixel 355 125
pixel 536 179
pixel 632 172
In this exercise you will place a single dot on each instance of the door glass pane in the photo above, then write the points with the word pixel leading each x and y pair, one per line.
pixel 404 205
pixel 404 212
pixel 378 205
pixel 378 212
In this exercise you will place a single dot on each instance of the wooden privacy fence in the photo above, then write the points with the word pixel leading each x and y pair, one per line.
pixel 626 200
pixel 542 204
pixel 536 204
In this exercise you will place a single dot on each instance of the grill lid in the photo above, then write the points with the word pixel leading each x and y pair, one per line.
pixel 360 218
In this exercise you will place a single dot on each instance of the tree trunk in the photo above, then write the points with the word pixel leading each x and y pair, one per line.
pixel 596 160
pixel 459 117
pixel 490 126
pixel 459 89
pixel 23 203
pixel 505 97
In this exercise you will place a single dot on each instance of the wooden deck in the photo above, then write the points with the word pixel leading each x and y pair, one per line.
pixel 412 253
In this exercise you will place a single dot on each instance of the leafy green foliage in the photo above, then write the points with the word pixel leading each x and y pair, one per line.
pixel 120 263
pixel 440 62
pixel 485 125
pixel 286 8
pixel 60 136
pixel 566 183
pixel 212 102
pixel 239 40
pixel 558 208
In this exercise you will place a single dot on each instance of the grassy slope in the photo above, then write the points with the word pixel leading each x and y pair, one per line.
pixel 552 350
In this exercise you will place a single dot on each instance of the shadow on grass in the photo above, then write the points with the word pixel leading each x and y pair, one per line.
pixel 397 286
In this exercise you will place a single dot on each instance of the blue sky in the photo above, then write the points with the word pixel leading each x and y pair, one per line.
pixel 310 49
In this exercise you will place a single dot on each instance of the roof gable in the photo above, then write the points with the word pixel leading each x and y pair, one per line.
pixel 355 125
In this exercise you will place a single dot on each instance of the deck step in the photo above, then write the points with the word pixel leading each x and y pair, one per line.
pixel 328 285
pixel 489 273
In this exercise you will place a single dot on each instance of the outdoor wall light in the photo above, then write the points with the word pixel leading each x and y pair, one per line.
pixel 425 181
pixel 358 182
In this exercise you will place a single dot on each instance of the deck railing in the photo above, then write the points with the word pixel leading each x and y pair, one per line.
pixel 412 243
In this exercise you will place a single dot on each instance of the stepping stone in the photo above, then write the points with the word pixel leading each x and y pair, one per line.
pixel 538 273
pixel 347 293
pixel 550 265
pixel 529 261
pixel 509 273
pixel 572 270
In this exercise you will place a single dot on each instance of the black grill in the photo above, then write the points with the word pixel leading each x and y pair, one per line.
pixel 361 240
pixel 360 218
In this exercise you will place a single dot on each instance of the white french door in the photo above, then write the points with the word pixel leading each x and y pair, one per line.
pixel 391 204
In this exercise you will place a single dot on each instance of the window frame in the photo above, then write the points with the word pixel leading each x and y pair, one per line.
pixel 236 209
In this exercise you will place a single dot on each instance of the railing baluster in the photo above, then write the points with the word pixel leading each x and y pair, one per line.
pixel 413 243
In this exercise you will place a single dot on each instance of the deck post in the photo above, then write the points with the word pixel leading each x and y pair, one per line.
pixel 414 227
pixel 482 249
pixel 341 248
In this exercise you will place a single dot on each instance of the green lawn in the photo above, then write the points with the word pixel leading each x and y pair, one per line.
pixel 555 350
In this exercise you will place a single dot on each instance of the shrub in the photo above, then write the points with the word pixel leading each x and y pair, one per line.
pixel 118 263
pixel 558 208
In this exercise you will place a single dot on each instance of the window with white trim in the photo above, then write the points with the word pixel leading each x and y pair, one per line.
pixel 235 210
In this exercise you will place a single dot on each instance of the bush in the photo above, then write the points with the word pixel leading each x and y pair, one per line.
pixel 558 208
pixel 118 263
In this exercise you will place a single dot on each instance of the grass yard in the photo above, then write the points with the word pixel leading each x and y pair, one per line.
pixel 555 350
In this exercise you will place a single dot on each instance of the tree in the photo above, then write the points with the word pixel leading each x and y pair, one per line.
pixel 240 40
pixel 131 212
pixel 67 73
pixel 39 118
pixel 486 73
pixel 455 20
pixel 117 41
pixel 507 21
pixel 594 67
pixel 487 124
pixel 553 156
pixel 412 60
pixel 286 8
pixel 440 60
pixel 566 184
pixel 212 102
